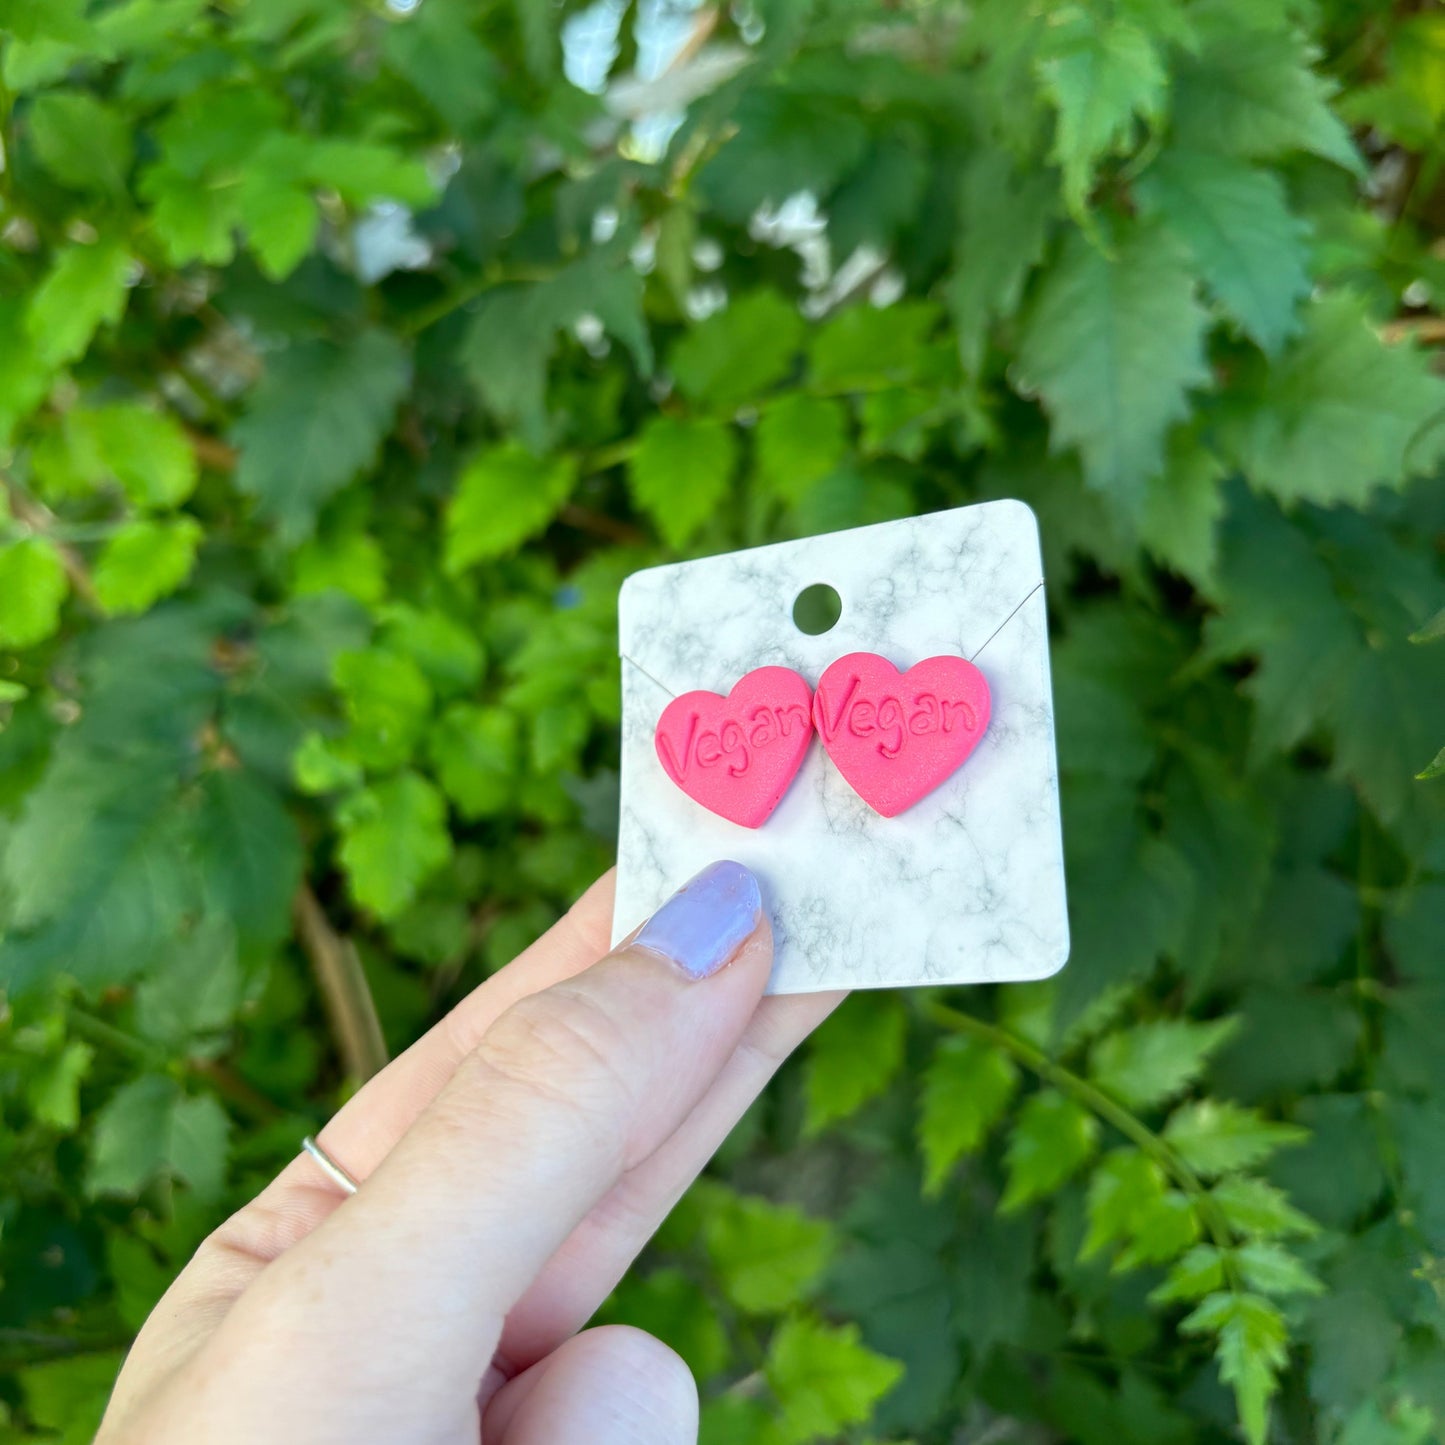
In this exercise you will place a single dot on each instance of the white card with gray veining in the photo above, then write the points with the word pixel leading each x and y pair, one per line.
pixel 965 886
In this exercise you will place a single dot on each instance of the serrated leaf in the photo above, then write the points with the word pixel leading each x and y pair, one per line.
pixel 143 561
pixel 1250 249
pixel 1182 509
pixel 1162 1231
pixel 393 838
pixel 825 1379
pixel 1122 1187
pixel 315 422
pixel 1273 1270
pixel 194 987
pixel 853 1058
pixel 1251 93
pixel 150 1128
pixel 1199 1273
pixel 351 562
pixel 1151 1063
pixel 81 140
pixel 85 289
pixel 249 856
pixel 1252 1349
pixel 1341 412
pixel 1100 76
pixel 799 440
pixel 1004 218
pixel 680 473
pixel 739 351
pixel 505 496
pixel 1254 1207
pixel 1217 1137
pixel 1112 344
pixel 768 1256
pixel 475 752
pixel 1052 1139
pixel 966 1088
pixel 33 587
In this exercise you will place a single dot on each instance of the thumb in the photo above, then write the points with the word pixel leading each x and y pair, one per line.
pixel 411 1279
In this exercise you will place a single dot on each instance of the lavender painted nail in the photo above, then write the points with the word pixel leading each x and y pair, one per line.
pixel 706 921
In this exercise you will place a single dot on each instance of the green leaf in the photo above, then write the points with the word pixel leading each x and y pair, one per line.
pixel 1112 344
pixel 1252 1349
pixel 1182 509
pixel 865 348
pixel 505 496
pixel 768 1256
pixel 146 451
pixel 81 141
pixel 739 351
pixel 1341 412
pixel 475 752
pixel 150 1128
pixel 86 288
pixel 1150 1064
pixel 1250 92
pixel 194 987
pixel 144 561
pixel 388 704
pixel 1217 1137
pixel 1248 246
pixel 249 854
pixel 53 1094
pixel 1122 1187
pixel 316 421
pixel 321 768
pixel 1253 1207
pixel 1198 1273
pixel 1272 1270
pixel 800 439
pixel 1435 768
pixel 825 1379
pixel 1432 631
pixel 680 473
pixel 44 19
pixel 446 649
pixel 853 1058
pixel 966 1088
pixel 1053 1138
pixel 351 562
pixel 34 586
pixel 1100 76
pixel 393 838
pixel 1004 218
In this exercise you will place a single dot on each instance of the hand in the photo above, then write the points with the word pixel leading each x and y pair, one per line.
pixel 513 1163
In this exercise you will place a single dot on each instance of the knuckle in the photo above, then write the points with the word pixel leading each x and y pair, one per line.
pixel 564 1049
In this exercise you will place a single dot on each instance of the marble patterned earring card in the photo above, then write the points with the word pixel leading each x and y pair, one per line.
pixel 964 885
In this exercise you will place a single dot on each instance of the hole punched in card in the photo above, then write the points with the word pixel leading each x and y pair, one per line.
pixel 865 720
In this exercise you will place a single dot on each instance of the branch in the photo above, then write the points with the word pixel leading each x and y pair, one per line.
pixel 344 990
pixel 1110 1110
pixel 42 521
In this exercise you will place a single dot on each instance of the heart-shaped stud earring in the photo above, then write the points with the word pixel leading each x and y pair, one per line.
pixel 896 736
pixel 737 754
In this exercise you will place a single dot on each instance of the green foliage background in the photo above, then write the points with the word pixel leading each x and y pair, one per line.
pixel 307 574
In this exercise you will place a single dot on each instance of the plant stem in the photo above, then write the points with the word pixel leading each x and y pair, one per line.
pixel 1108 1109
pixel 344 989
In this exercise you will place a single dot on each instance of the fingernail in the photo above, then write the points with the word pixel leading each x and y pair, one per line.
pixel 706 921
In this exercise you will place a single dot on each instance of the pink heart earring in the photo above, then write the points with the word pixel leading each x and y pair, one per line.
pixel 737 754
pixel 896 736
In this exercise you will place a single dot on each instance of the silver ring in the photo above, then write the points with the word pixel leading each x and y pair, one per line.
pixel 345 1181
